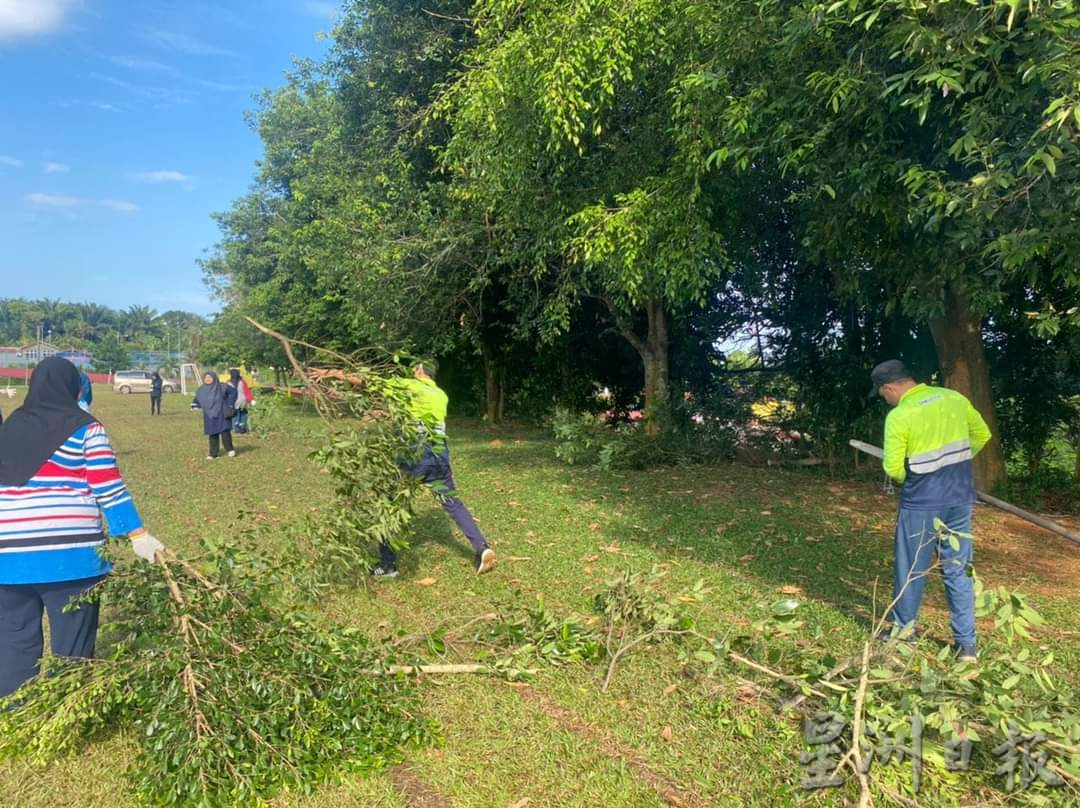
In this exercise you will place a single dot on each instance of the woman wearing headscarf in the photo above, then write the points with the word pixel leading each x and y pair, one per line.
pixel 155 393
pixel 243 401
pixel 217 402
pixel 58 477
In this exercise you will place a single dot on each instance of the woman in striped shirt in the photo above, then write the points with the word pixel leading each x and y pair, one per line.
pixel 58 477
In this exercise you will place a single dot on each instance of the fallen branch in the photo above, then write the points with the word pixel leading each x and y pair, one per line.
pixel 865 799
pixel 393 670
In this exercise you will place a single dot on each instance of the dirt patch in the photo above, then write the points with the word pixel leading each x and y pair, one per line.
pixel 1008 548
pixel 668 791
pixel 416 792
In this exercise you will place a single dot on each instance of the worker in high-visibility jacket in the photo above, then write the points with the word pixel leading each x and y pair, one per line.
pixel 931 436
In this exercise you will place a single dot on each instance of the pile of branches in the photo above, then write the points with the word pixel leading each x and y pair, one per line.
pixel 229 695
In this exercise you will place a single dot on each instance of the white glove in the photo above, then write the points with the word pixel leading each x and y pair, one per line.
pixel 146 546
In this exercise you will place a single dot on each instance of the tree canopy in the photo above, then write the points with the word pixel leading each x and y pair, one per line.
pixel 650 180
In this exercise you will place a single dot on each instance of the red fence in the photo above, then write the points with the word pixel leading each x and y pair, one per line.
pixel 20 373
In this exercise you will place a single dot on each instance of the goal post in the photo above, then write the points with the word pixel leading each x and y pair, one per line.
pixel 189 375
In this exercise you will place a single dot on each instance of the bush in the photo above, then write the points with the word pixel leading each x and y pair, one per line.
pixel 584 439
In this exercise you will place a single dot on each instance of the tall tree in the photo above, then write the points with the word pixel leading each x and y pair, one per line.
pixel 935 142
pixel 569 133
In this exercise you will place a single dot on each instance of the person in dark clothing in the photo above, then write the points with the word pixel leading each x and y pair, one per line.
pixel 243 401
pixel 217 402
pixel 155 394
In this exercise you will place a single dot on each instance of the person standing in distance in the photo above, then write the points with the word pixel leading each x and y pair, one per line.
pixel 216 400
pixel 156 385
pixel 931 436
pixel 58 477
pixel 86 391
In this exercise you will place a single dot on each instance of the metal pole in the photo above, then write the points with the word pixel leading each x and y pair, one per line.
pixel 1001 504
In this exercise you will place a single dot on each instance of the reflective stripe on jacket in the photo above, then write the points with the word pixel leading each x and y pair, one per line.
pixel 931 437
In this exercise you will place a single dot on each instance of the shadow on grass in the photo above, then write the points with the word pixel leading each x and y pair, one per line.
pixel 431 527
pixel 779 527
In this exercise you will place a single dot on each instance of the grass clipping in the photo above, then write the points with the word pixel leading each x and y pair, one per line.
pixel 228 697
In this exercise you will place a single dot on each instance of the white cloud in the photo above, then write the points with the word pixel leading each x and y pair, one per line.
pixel 162 176
pixel 55 201
pixel 66 204
pixel 91 104
pixel 161 95
pixel 22 18
pixel 140 64
pixel 120 205
pixel 174 40
pixel 57 168
pixel 225 87
pixel 9 161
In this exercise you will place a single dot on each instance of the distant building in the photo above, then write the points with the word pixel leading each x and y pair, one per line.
pixel 14 356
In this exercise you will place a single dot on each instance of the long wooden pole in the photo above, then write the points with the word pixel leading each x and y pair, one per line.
pixel 1034 518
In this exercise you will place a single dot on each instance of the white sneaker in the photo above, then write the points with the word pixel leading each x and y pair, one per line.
pixel 211 457
pixel 232 454
pixel 485 561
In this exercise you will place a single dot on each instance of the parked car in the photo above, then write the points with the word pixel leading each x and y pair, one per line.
pixel 138 381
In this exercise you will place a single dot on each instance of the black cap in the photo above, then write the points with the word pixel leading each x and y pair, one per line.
pixel 891 370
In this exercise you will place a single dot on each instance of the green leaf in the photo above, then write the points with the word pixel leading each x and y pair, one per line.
pixel 785 607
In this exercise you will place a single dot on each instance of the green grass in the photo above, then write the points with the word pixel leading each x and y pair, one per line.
pixel 747 532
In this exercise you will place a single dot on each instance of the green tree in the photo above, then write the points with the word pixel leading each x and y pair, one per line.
pixel 110 354
pixel 932 144
pixel 569 132
pixel 95 318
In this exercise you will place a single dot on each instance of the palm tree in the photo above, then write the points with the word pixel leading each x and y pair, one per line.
pixel 140 321
pixel 53 313
pixel 96 319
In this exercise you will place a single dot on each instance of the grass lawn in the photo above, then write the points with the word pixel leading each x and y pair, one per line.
pixel 658 736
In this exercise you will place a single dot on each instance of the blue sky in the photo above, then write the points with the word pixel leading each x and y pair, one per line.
pixel 122 129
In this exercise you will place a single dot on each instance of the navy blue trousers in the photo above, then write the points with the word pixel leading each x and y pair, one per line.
pixel 916 544
pixel 433 470
pixel 73 633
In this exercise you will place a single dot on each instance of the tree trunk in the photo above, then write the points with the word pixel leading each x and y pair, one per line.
pixel 657 370
pixel 654 351
pixel 962 358
pixel 493 384
pixel 1076 470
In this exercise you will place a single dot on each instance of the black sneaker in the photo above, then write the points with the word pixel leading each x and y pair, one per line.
pixel 967 653
pixel 900 635
pixel 385 572
pixel 485 560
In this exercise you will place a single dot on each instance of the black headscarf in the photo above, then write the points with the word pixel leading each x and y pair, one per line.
pixel 211 397
pixel 46 419
pixel 234 377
